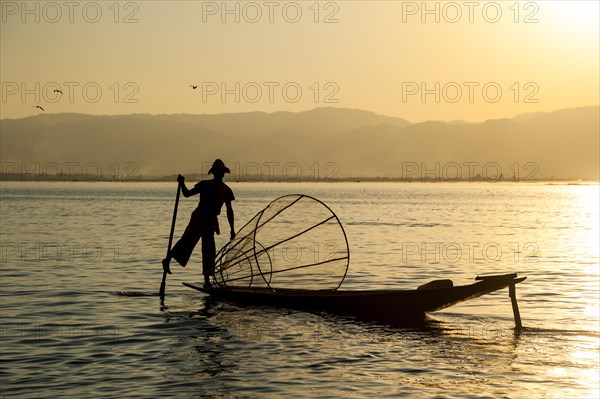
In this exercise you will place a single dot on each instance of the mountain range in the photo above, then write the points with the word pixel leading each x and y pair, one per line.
pixel 322 143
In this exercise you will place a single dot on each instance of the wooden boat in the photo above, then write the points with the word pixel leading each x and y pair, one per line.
pixel 294 253
pixel 397 307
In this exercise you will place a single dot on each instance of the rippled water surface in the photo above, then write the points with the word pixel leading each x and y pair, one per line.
pixel 71 250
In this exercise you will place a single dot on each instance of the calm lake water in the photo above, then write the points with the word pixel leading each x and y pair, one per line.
pixel 68 249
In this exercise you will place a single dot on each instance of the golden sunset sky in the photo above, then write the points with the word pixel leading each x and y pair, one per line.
pixel 416 60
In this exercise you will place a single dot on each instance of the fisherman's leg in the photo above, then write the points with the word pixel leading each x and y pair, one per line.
pixel 208 255
pixel 182 250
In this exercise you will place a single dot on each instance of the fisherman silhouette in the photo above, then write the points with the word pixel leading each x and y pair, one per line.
pixel 204 222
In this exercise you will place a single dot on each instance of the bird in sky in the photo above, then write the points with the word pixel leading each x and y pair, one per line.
pixel 37 106
pixel 58 91
pixel 193 87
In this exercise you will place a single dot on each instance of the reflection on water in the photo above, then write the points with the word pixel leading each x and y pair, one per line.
pixel 81 262
pixel 251 348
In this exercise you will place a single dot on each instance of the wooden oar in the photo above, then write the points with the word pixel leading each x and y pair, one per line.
pixel 164 277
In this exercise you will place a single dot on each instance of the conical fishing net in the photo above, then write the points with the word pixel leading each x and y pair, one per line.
pixel 295 242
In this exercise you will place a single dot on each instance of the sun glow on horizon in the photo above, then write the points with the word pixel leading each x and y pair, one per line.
pixel 575 18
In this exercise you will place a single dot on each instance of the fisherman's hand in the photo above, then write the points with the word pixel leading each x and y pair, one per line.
pixel 232 234
pixel 180 179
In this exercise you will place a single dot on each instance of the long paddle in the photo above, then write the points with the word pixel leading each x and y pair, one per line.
pixel 164 277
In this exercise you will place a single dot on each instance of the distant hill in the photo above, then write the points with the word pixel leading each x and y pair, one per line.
pixel 321 120
pixel 527 116
pixel 326 120
pixel 324 142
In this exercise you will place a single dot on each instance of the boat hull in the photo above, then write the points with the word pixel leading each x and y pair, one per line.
pixel 390 306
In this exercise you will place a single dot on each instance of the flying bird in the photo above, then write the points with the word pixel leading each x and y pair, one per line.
pixel 37 106
pixel 58 91
pixel 193 87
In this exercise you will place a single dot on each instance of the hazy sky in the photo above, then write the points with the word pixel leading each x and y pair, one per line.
pixel 466 60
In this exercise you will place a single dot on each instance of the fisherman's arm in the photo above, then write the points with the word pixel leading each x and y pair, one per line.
pixel 184 190
pixel 230 218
